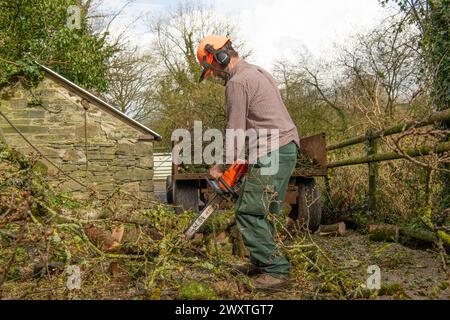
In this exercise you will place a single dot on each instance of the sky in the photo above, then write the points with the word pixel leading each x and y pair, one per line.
pixel 272 29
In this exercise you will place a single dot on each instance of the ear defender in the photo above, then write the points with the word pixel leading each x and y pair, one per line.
pixel 221 56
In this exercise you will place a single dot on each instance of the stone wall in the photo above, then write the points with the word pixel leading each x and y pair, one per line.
pixel 94 146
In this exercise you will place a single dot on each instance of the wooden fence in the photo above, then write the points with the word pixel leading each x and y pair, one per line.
pixel 372 157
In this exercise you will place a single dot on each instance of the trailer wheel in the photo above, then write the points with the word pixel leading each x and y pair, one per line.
pixel 186 196
pixel 308 210
pixel 169 189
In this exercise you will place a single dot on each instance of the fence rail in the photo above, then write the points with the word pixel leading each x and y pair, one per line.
pixel 398 128
pixel 423 151
pixel 372 157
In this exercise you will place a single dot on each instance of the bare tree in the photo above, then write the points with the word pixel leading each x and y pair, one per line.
pixel 179 32
pixel 181 100
pixel 303 100
pixel 130 77
pixel 308 83
pixel 384 60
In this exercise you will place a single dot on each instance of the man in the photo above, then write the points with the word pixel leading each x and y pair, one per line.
pixel 254 102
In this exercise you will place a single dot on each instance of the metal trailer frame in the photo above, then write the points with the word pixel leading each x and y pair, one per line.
pixel 188 190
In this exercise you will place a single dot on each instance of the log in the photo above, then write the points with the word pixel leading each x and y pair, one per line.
pixel 198 237
pixel 101 238
pixel 421 235
pixel 383 232
pixel 117 233
pixel 417 123
pixel 411 152
pixel 132 233
pixel 386 232
pixel 220 238
pixel 337 229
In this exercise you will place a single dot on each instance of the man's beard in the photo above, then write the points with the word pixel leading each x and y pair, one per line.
pixel 223 75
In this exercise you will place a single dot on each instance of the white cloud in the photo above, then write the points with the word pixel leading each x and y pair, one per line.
pixel 132 20
pixel 276 29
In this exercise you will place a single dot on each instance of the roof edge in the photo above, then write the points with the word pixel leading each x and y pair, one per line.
pixel 92 98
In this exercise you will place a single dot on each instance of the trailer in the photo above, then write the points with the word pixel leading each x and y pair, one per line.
pixel 190 191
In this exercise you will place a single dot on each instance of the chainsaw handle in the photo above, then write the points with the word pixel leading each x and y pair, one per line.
pixel 229 189
pixel 214 185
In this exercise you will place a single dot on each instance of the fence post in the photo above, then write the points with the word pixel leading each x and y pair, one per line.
pixel 327 179
pixel 373 171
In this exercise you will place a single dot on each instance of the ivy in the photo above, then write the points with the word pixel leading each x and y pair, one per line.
pixel 433 19
pixel 36 30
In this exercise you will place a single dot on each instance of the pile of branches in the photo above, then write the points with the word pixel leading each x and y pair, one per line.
pixel 126 251
pixel 43 232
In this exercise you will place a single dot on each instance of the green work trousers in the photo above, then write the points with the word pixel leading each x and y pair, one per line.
pixel 263 194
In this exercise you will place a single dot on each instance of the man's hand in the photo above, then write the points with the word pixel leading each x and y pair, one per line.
pixel 216 172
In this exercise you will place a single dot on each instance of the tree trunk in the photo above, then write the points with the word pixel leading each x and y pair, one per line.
pixel 383 232
pixel 337 229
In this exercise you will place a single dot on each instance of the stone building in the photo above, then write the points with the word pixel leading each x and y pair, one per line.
pixel 83 135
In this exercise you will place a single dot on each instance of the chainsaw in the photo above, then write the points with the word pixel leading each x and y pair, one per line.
pixel 225 187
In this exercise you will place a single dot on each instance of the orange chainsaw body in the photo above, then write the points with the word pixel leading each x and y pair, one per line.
pixel 233 175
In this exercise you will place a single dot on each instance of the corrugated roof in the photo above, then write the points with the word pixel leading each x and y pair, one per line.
pixel 94 99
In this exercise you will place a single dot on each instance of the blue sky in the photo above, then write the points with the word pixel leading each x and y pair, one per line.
pixel 273 29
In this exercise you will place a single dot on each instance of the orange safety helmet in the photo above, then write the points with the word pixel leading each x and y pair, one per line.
pixel 205 56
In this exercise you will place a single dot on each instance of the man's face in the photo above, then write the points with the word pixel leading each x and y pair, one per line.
pixel 216 71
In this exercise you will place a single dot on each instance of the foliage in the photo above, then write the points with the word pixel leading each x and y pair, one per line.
pixel 432 17
pixel 36 30
pixel 196 291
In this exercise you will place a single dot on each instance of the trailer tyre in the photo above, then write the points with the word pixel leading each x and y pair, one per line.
pixel 169 190
pixel 186 196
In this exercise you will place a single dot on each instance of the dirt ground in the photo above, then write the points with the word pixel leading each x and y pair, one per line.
pixel 405 273
pixel 323 268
